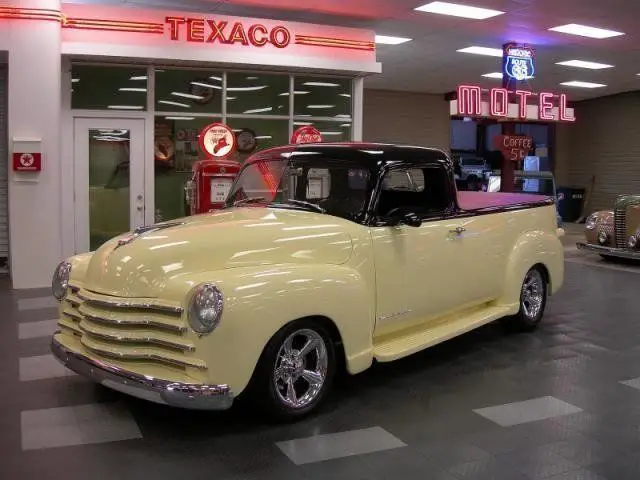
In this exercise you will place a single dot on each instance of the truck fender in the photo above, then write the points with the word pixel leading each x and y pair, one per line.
pixel 532 248
pixel 259 301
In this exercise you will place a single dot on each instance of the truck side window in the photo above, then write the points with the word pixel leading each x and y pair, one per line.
pixel 423 191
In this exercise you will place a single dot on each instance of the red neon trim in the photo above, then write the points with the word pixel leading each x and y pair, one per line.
pixel 335 39
pixel 524 95
pixel 333 45
pixel 268 176
pixel 273 36
pixel 564 114
pixel 253 29
pixel 335 42
pixel 31 16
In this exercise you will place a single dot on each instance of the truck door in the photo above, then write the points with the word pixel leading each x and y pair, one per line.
pixel 415 280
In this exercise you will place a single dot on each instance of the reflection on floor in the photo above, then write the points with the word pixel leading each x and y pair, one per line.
pixel 561 403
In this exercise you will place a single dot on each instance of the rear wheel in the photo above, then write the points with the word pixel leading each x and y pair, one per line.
pixel 295 371
pixel 533 300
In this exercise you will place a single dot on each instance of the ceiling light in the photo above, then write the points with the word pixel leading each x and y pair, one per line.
pixel 343 115
pixel 297 92
pixel 585 31
pixel 320 106
pixel 231 98
pixel 125 107
pixel 213 77
pixel 583 84
pixel 321 84
pixel 259 110
pixel 493 75
pixel 188 95
pixel 263 137
pixel 346 95
pixel 331 133
pixel 491 52
pixel 206 85
pixel 252 78
pixel 141 77
pixel 75 80
pixel 246 89
pixel 389 40
pixel 345 125
pixel 176 104
pixel 132 89
pixel 180 118
pixel 457 10
pixel 583 64
pixel 302 124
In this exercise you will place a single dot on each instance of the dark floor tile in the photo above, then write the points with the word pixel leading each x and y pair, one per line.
pixel 491 469
pixel 538 462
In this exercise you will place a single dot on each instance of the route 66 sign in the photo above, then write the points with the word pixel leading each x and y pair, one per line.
pixel 519 62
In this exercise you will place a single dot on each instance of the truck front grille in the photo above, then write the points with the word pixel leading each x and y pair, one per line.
pixel 128 329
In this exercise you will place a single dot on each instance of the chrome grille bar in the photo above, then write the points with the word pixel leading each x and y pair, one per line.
pixel 620 222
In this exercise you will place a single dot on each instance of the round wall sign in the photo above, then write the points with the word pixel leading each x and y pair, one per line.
pixel 306 134
pixel 217 140
pixel 246 140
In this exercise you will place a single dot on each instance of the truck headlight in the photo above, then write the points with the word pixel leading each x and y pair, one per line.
pixel 60 281
pixel 205 308
pixel 591 221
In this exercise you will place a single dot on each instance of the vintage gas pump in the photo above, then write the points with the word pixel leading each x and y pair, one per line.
pixel 212 177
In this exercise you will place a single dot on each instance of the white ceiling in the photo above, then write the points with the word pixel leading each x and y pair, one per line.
pixel 430 62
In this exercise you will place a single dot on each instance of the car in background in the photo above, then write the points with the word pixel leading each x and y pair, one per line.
pixel 529 181
pixel 615 233
pixel 473 169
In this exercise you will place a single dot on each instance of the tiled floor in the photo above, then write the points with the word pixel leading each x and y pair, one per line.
pixel 562 403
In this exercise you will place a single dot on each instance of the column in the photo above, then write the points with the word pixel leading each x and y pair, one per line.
pixel 34 112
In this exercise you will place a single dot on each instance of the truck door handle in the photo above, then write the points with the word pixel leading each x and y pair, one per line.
pixel 458 230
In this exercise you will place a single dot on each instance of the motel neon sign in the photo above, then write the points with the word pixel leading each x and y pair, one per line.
pixel 501 103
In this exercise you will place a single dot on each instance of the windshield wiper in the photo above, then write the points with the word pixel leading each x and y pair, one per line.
pixel 309 205
pixel 246 201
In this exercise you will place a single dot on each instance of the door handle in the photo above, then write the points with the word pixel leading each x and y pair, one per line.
pixel 458 230
pixel 140 203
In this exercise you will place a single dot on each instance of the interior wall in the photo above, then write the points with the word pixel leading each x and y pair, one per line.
pixel 605 143
pixel 407 118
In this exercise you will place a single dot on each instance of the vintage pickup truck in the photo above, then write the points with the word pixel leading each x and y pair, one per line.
pixel 327 256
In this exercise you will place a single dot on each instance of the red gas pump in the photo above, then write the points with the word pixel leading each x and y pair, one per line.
pixel 212 177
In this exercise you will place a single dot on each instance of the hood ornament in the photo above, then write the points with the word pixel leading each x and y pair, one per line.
pixel 142 230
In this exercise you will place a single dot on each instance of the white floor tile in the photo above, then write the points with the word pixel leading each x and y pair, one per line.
pixel 78 425
pixel 528 411
pixel 337 445
pixel 43 328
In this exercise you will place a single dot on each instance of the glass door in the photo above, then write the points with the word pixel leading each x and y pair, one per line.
pixel 109 161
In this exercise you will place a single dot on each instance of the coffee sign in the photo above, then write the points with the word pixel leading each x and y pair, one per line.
pixel 514 147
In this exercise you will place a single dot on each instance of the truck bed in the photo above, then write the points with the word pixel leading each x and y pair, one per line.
pixel 475 201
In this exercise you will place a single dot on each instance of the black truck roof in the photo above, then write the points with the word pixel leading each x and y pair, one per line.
pixel 363 151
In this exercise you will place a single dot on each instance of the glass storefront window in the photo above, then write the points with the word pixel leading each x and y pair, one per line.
pixel 257 94
pixel 322 97
pixel 189 91
pixel 339 131
pixel 108 87
pixel 108 184
pixel 176 149
pixel 254 135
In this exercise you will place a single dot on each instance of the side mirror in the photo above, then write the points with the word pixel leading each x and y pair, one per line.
pixel 409 219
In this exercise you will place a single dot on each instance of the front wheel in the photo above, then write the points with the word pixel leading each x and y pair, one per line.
pixel 295 371
pixel 533 300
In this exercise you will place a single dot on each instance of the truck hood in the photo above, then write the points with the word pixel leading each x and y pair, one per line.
pixel 141 265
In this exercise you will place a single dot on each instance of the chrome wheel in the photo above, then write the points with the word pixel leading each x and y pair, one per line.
pixel 532 296
pixel 301 368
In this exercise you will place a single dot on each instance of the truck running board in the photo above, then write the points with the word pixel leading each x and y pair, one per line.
pixel 407 342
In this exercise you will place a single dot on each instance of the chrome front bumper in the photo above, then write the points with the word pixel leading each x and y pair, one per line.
pixel 610 251
pixel 182 395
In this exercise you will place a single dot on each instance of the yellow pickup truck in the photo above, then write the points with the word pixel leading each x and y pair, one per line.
pixel 326 256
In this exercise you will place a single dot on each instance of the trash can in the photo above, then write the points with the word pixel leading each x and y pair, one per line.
pixel 570 202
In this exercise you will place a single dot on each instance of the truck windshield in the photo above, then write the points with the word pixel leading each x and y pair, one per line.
pixel 335 187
